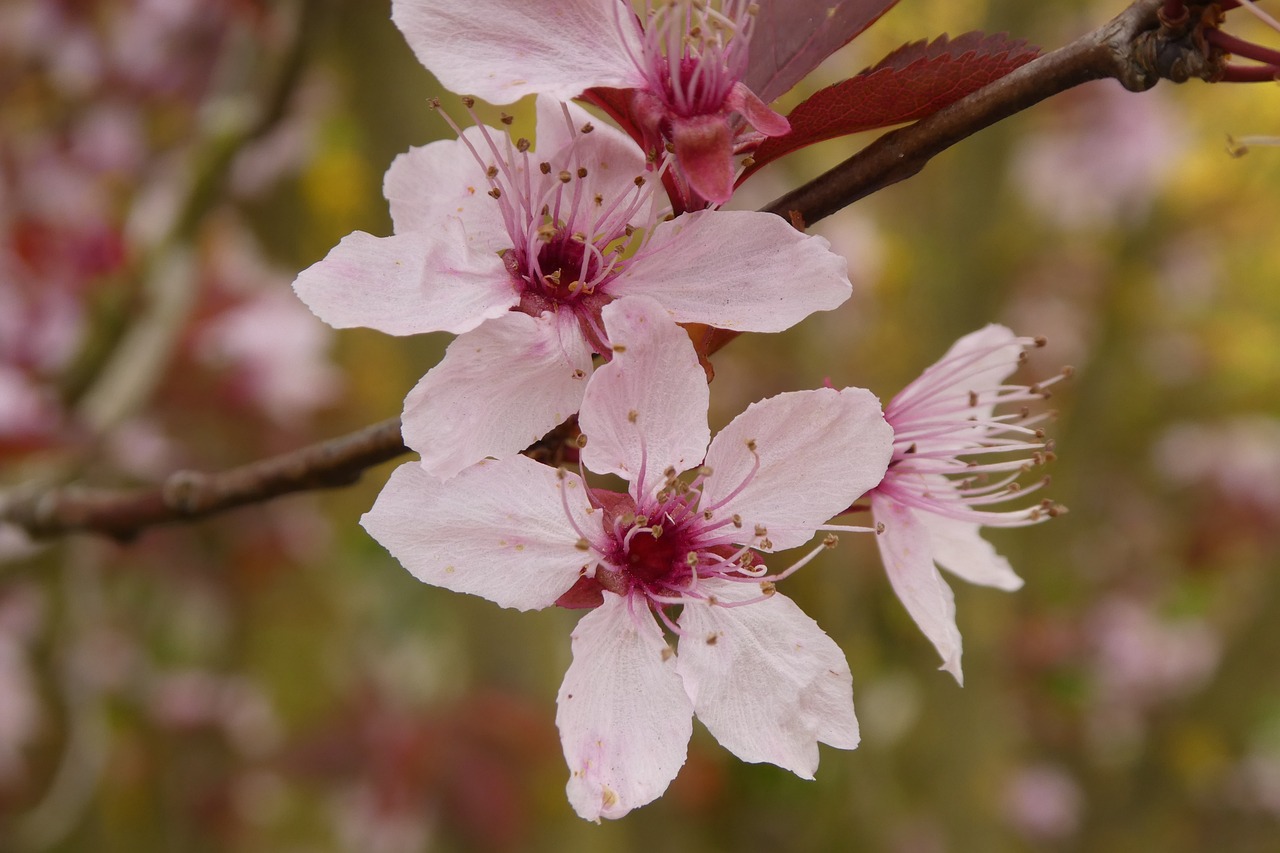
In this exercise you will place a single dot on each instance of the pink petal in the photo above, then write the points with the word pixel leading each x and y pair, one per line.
pixel 908 560
pixel 765 679
pixel 428 184
pixel 819 451
pixel 423 281
pixel 646 410
pixel 958 547
pixel 498 389
pixel 501 50
pixel 980 361
pixel 737 269
pixel 757 112
pixel 498 530
pixel 612 160
pixel 704 150
pixel 623 715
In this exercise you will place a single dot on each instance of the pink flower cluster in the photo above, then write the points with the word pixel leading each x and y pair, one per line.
pixel 565 271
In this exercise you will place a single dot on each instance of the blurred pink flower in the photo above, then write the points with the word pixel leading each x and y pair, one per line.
pixel 1141 660
pixel 683 67
pixel 1043 802
pixel 945 427
pixel 762 676
pixel 1103 158
pixel 1237 457
pixel 522 271
pixel 280 354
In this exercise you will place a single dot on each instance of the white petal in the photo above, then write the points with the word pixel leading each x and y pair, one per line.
pixel 908 561
pixel 428 184
pixel 497 530
pixel 501 50
pixel 958 548
pixel 421 281
pixel 737 269
pixel 612 160
pixel 498 389
pixel 623 715
pixel 649 403
pixel 978 362
pixel 819 452
pixel 765 679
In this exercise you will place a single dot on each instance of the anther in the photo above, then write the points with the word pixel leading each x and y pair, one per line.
pixel 522 145
pixel 619 348
pixel 433 103
pixel 468 101
pixel 587 128
pixel 564 176
pixel 656 531
pixel 768 587
pixel 633 415
pixel 830 541
pixel 495 193
pixel 544 168
pixel 579 373
pixel 506 119
pixel 582 171
pixel 580 441
pixel 879 527
pixel 691 559
pixel 1041 340
pixel 973 399
pixel 751 445
pixel 761 530
pixel 582 545
pixel 491 172
pixel 737 520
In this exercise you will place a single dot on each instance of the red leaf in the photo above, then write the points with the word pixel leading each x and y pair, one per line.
pixel 792 37
pixel 914 81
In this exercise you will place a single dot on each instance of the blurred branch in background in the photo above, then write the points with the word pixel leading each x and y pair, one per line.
pixel 1138 48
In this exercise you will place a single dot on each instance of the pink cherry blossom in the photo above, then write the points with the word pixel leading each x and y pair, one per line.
pixel 954 461
pixel 518 254
pixel 762 676
pixel 681 65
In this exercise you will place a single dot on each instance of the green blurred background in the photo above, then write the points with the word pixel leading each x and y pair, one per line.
pixel 271 680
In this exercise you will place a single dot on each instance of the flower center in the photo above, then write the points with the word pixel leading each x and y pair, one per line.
pixel 564 269
pixel 657 560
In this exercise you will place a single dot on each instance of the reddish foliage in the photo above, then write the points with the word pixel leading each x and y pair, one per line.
pixel 792 37
pixel 914 81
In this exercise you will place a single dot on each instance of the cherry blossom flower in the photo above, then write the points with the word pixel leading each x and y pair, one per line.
pixel 682 65
pixel 954 460
pixel 521 272
pixel 762 676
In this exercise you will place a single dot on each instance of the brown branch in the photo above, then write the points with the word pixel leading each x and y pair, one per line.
pixel 1110 51
pixel 1138 48
pixel 186 495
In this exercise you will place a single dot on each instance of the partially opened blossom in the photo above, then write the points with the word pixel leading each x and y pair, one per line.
pixel 955 462
pixel 762 676
pixel 519 252
pixel 681 63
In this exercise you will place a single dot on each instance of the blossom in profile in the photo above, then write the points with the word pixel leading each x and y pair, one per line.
pixel 681 64
pixel 518 253
pixel 761 675
pixel 955 463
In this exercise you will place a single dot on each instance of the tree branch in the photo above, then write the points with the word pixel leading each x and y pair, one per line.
pixel 1138 48
pixel 187 495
